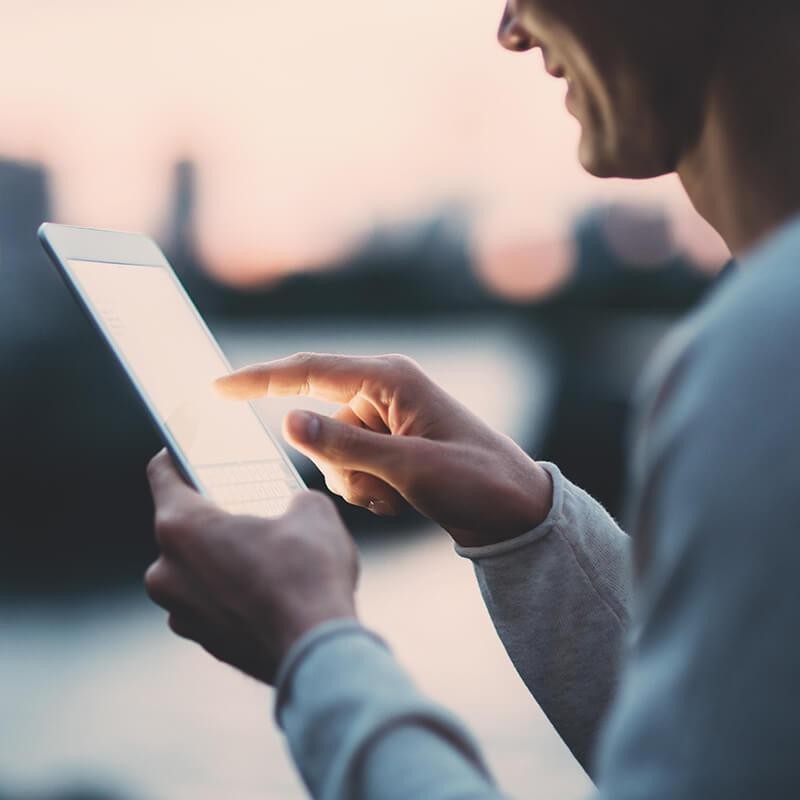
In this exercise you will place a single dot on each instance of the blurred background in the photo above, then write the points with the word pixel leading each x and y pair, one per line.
pixel 351 176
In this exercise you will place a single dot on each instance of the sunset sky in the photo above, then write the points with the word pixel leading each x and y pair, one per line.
pixel 310 123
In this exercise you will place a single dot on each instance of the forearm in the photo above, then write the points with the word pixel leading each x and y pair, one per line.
pixel 559 599
pixel 357 727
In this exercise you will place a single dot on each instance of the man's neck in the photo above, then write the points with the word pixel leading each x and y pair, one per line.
pixel 743 172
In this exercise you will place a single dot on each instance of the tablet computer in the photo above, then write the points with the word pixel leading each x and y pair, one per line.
pixel 137 304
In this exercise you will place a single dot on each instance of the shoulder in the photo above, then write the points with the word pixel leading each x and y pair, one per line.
pixel 757 308
pixel 742 360
pixel 718 413
pixel 742 346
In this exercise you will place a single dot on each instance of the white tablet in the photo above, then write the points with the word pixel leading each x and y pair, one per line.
pixel 138 305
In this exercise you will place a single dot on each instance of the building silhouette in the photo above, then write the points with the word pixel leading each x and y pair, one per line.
pixel 25 281
pixel 24 204
pixel 179 238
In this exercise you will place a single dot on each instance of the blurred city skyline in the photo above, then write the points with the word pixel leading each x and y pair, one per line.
pixel 308 128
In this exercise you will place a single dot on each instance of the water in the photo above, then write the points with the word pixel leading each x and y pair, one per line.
pixel 99 693
pixel 96 692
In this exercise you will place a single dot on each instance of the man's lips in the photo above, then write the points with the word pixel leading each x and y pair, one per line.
pixel 556 70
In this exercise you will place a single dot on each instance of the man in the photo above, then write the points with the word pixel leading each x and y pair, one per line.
pixel 683 686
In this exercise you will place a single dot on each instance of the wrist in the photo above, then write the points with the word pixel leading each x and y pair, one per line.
pixel 523 504
pixel 538 503
pixel 306 648
pixel 302 621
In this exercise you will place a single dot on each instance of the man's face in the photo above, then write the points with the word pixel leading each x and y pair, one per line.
pixel 636 72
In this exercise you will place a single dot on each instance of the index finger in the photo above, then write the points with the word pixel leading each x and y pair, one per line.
pixel 167 484
pixel 335 378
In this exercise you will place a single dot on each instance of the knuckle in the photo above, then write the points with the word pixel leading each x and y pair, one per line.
pixel 174 624
pixel 305 361
pixel 171 526
pixel 201 517
pixel 179 626
pixel 157 582
pixel 352 498
pixel 410 384
pixel 344 439
pixel 413 468
pixel 403 364
pixel 302 357
pixel 335 483
pixel 356 486
pixel 168 520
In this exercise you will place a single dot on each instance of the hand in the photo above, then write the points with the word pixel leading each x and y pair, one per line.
pixel 245 588
pixel 399 438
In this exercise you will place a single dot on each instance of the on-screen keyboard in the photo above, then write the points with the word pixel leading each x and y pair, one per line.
pixel 257 488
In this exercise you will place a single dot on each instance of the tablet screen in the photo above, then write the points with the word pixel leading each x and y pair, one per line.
pixel 165 347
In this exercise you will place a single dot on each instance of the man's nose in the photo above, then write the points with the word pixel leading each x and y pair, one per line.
pixel 512 35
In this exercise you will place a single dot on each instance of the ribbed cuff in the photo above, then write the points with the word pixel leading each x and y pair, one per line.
pixel 531 536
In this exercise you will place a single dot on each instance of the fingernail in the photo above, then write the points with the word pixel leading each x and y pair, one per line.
pixel 380 508
pixel 304 427
pixel 221 385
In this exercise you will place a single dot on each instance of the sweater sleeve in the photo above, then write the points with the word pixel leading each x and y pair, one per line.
pixel 559 598
pixel 358 729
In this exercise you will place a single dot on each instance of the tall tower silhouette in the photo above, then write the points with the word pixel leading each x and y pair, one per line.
pixel 30 289
pixel 180 234
pixel 24 205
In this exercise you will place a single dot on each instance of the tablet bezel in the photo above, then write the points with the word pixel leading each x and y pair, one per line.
pixel 64 243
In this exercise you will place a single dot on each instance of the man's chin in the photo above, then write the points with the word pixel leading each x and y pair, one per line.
pixel 593 162
pixel 605 162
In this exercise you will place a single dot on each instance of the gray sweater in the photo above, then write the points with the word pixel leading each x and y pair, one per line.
pixel 682 687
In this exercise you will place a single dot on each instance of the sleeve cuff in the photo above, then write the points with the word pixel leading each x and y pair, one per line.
pixel 531 536
pixel 305 645
pixel 341 694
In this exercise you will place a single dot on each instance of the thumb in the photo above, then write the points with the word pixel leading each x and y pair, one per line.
pixel 350 447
